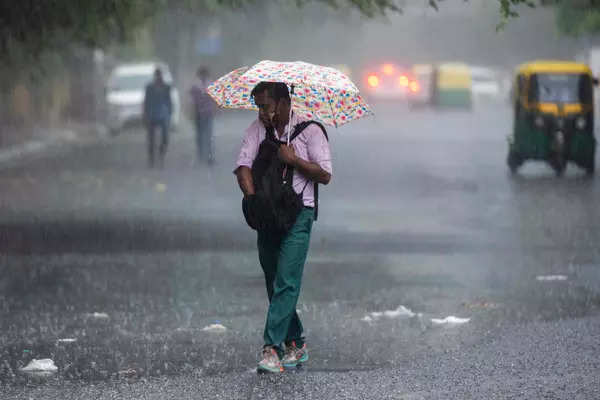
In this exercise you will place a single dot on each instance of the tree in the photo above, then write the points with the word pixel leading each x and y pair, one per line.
pixel 32 26
pixel 35 26
pixel 43 42
pixel 578 17
pixel 573 17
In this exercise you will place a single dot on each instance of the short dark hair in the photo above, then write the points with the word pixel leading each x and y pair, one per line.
pixel 275 90
pixel 203 71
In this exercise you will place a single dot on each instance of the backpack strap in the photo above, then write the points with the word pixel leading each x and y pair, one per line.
pixel 297 131
pixel 300 127
pixel 270 133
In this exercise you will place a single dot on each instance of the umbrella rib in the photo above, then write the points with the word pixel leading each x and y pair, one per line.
pixel 333 114
pixel 314 85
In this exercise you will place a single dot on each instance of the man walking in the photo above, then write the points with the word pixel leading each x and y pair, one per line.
pixel 157 114
pixel 204 110
pixel 282 256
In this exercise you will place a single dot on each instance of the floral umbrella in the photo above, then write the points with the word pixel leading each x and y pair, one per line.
pixel 321 93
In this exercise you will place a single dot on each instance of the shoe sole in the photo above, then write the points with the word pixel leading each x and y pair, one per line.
pixel 264 370
pixel 301 361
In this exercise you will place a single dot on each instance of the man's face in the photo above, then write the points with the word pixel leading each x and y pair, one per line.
pixel 158 77
pixel 203 75
pixel 267 108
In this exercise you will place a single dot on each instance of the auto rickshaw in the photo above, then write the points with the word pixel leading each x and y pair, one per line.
pixel 553 115
pixel 453 86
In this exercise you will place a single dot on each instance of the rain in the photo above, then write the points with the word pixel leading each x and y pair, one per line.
pixel 455 254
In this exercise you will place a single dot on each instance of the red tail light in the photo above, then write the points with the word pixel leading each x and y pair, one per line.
pixel 414 86
pixel 403 81
pixel 373 81
pixel 388 69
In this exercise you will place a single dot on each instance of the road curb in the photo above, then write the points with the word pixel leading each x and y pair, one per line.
pixel 82 134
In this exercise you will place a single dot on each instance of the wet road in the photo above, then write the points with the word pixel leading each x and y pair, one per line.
pixel 421 213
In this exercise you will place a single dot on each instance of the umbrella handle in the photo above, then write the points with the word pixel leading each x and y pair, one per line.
pixel 289 125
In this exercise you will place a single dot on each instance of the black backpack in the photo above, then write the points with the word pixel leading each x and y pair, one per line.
pixel 276 205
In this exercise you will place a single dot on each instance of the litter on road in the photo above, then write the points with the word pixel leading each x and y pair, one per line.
pixel 98 315
pixel 41 367
pixel 450 320
pixel 401 311
pixel 67 340
pixel 214 328
pixel 551 278
pixel 128 373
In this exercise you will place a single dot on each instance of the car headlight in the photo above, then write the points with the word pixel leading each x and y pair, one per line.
pixel 539 121
pixel 580 123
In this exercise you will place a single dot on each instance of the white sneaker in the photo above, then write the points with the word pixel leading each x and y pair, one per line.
pixel 294 355
pixel 270 361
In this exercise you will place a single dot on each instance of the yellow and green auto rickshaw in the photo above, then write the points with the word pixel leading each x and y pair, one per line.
pixel 553 115
pixel 453 86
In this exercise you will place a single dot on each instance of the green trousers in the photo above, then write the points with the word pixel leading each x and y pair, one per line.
pixel 282 259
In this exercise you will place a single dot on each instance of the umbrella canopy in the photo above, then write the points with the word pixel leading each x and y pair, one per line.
pixel 320 93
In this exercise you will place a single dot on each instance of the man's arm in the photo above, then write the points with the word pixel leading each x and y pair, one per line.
pixel 244 178
pixel 169 100
pixel 310 170
pixel 145 106
pixel 248 153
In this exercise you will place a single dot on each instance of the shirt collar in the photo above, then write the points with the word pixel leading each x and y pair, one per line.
pixel 294 120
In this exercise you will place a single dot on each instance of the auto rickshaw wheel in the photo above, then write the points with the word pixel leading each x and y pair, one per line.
pixel 514 161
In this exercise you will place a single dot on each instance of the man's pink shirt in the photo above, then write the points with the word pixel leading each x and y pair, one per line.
pixel 311 145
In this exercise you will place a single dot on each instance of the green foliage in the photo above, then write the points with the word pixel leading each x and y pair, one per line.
pixel 38 25
pixel 30 27
pixel 369 8
pixel 573 17
pixel 577 18
pixel 508 10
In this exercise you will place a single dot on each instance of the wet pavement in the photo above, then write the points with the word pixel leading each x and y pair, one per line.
pixel 422 213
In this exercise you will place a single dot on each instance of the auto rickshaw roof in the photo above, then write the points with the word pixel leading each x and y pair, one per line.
pixel 454 67
pixel 554 67
pixel 453 76
pixel 422 68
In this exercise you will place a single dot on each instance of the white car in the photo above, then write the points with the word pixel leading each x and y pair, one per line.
pixel 486 85
pixel 125 94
